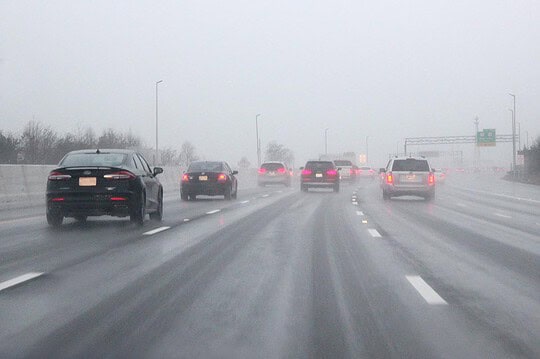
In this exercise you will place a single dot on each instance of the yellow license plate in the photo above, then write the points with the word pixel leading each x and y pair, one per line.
pixel 87 181
pixel 203 178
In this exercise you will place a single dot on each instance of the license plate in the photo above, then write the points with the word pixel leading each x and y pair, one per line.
pixel 203 178
pixel 87 181
pixel 318 175
pixel 271 173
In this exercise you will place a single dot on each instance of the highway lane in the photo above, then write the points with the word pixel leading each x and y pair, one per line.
pixel 280 273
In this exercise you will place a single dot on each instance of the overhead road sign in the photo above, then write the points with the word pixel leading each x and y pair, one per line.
pixel 486 138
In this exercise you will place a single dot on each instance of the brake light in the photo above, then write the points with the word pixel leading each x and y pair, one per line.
pixel 58 176
pixel 58 199
pixel 185 178
pixel 118 199
pixel 281 170
pixel 306 172
pixel 120 175
pixel 331 173
pixel 352 171
pixel 389 178
pixel 262 171
pixel 222 177
pixel 431 178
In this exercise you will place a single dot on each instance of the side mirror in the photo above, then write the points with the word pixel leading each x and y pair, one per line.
pixel 234 172
pixel 382 170
pixel 157 170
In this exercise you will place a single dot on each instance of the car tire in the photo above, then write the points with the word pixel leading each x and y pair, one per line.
pixel 81 218
pixel 192 197
pixel 235 195
pixel 158 214
pixel 137 215
pixel 54 220
pixel 184 196
pixel 227 193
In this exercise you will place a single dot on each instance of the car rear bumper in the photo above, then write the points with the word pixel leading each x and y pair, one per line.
pixel 70 205
pixel 409 190
pixel 273 180
pixel 208 189
pixel 320 184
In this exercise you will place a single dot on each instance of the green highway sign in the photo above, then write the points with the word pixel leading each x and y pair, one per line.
pixel 486 138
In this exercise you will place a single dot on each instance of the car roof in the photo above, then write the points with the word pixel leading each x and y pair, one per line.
pixel 277 162
pixel 410 158
pixel 103 150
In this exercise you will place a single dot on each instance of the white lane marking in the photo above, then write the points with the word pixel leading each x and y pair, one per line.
pixel 502 215
pixel 364 221
pixel 154 231
pixel 461 205
pixel 214 211
pixel 20 279
pixel 244 202
pixel 429 295
pixel 355 203
pixel 374 233
pixel 187 219
pixel 265 195
pixel 359 213
pixel 280 191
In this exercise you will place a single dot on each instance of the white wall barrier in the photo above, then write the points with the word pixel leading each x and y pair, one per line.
pixel 24 185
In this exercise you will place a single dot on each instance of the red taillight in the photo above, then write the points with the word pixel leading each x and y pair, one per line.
pixel 331 173
pixel 281 170
pixel 185 178
pixel 120 175
pixel 352 171
pixel 306 172
pixel 58 176
pixel 371 171
pixel 389 178
pixel 118 199
pixel 262 171
pixel 431 179
pixel 359 171
pixel 222 177
pixel 58 199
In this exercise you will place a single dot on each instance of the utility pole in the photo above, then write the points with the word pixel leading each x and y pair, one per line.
pixel 258 140
pixel 326 141
pixel 514 136
pixel 476 148
pixel 156 159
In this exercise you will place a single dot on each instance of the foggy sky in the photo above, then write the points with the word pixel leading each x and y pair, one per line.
pixel 383 69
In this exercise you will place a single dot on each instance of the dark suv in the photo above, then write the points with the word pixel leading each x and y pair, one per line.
pixel 319 174
pixel 408 176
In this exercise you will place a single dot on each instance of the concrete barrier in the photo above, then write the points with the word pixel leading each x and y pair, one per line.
pixel 24 185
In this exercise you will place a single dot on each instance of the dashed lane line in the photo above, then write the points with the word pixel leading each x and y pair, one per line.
pixel 154 231
pixel 20 279
pixel 428 293
pixel 265 195
pixel 214 211
pixel 374 233
pixel 187 219
pixel 359 213
pixel 502 215
pixel 244 202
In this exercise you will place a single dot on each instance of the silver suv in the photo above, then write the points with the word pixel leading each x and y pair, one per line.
pixel 408 176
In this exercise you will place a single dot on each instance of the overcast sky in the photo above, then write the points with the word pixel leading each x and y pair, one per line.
pixel 383 69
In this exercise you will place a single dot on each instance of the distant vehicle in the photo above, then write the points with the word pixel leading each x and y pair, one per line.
pixel 346 170
pixel 366 172
pixel 274 173
pixel 319 174
pixel 104 182
pixel 210 178
pixel 440 175
pixel 405 176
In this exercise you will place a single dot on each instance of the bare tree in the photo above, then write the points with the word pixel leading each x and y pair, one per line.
pixel 8 148
pixel 278 152
pixel 187 154
pixel 38 144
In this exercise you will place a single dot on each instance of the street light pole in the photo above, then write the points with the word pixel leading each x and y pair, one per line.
pixel 326 141
pixel 258 140
pixel 367 150
pixel 156 159
pixel 514 136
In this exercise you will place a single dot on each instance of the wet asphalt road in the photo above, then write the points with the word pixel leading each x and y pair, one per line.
pixel 282 274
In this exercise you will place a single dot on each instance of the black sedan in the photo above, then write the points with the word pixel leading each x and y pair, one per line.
pixel 211 178
pixel 104 182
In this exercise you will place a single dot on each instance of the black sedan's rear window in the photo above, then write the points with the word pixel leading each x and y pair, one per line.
pixel 272 166
pixel 205 167
pixel 319 165
pixel 93 159
pixel 410 164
